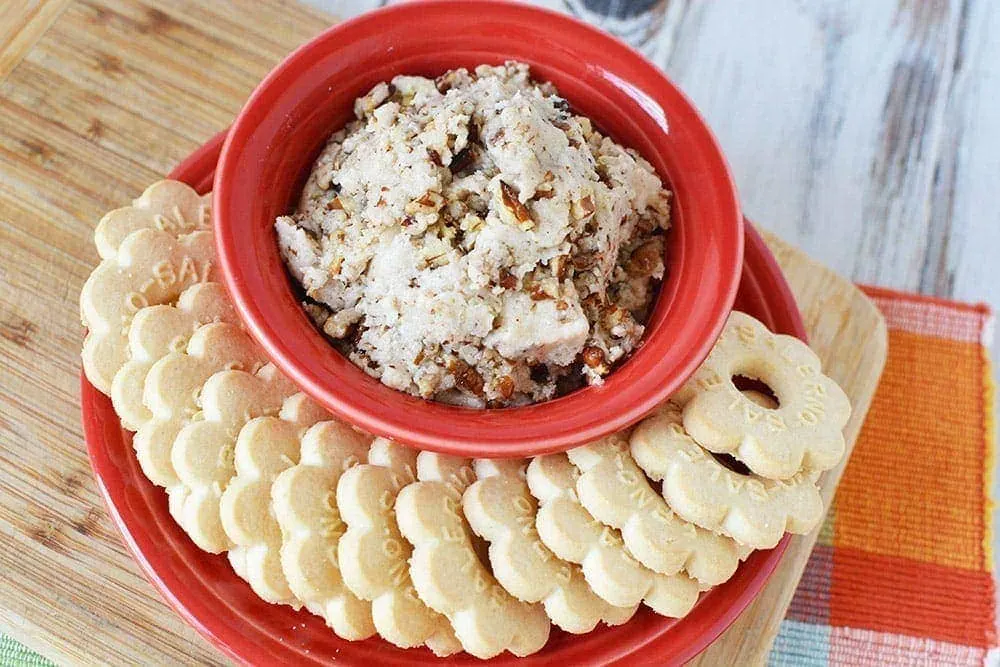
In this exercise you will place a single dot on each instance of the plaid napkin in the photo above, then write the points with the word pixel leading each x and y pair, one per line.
pixel 902 573
pixel 903 570
pixel 13 654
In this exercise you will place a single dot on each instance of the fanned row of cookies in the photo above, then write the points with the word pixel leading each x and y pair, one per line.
pixel 430 550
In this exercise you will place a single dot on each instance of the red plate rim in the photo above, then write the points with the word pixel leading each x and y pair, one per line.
pixel 244 628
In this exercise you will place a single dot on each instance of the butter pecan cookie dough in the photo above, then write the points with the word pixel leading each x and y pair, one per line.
pixel 470 239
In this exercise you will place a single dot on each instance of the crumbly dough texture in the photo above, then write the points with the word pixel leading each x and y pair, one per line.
pixel 500 508
pixel 469 239
pixel 613 488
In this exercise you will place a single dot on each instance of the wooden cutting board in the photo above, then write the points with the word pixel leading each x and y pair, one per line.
pixel 98 98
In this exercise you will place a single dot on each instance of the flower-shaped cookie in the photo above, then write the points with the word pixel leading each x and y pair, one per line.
pixel 573 534
pixel 173 385
pixel 374 557
pixel 204 450
pixel 170 206
pixel 447 571
pixel 264 448
pixel 802 433
pixel 752 510
pixel 304 500
pixel 615 491
pixel 157 331
pixel 150 267
pixel 500 508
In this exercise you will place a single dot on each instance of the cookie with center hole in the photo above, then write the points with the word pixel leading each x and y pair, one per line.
pixel 448 571
pixel 573 534
pixel 500 508
pixel 304 500
pixel 374 556
pixel 700 488
pixel 804 430
pixel 616 492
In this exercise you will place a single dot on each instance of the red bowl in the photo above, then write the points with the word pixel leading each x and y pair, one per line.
pixel 203 589
pixel 277 135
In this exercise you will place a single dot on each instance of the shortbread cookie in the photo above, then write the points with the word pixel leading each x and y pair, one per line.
pixel 173 386
pixel 150 267
pixel 304 500
pixel 573 534
pixel 752 510
pixel 615 491
pixel 500 508
pixel 374 557
pixel 802 433
pixel 158 330
pixel 265 447
pixel 447 571
pixel 203 452
pixel 170 206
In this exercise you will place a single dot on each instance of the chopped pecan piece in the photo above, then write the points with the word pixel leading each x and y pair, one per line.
pixel 505 385
pixel 645 259
pixel 593 356
pixel 560 266
pixel 466 377
pixel 507 279
pixel 584 208
pixel 584 261
pixel 431 199
pixel 461 160
pixel 514 204
pixel 538 294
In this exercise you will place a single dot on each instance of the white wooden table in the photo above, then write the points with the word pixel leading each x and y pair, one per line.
pixel 866 133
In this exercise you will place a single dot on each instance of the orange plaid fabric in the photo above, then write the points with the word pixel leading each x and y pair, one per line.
pixel 903 570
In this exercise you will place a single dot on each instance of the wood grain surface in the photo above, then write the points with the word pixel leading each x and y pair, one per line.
pixel 99 98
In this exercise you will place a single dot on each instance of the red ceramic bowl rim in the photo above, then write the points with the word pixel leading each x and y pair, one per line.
pixel 704 291
pixel 139 512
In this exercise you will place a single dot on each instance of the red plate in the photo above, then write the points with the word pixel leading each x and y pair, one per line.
pixel 203 589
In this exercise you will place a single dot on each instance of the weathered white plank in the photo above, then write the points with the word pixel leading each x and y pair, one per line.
pixel 965 218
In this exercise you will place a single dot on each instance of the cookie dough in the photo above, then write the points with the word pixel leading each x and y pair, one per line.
pixel 470 239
